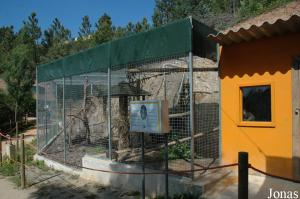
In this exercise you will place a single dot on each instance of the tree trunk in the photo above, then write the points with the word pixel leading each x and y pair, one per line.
pixel 84 112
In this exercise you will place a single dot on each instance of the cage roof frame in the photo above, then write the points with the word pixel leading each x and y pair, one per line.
pixel 174 39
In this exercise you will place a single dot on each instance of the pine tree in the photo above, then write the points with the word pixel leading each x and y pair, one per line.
pixel 85 29
pixel 7 37
pixel 104 30
pixel 56 41
pixel 33 31
pixel 19 78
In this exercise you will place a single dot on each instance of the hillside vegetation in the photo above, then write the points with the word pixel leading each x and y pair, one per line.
pixel 22 50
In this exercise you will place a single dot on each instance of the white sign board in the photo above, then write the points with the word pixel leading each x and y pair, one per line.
pixel 150 116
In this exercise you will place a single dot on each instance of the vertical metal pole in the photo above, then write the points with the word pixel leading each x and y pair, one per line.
pixel 166 144
pixel 64 122
pixel 165 84
pixel 243 176
pixel 37 109
pixel 109 114
pixel 22 166
pixel 219 101
pixel 91 89
pixel 166 167
pixel 143 167
pixel 17 141
pixel 56 109
pixel 70 111
pixel 0 150
pixel 191 112
pixel 46 115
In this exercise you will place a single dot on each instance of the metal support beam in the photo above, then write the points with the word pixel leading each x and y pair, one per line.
pixel 64 122
pixel 143 167
pixel 191 111
pixel 22 165
pixel 37 110
pixel 166 167
pixel 219 102
pixel 109 114
pixel 56 109
pixel 46 114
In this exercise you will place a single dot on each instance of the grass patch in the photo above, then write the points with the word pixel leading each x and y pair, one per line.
pixel 95 150
pixel 16 180
pixel 41 165
pixel 8 168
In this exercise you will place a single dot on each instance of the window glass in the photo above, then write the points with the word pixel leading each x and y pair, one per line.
pixel 256 103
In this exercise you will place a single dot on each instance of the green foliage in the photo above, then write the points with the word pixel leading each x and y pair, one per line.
pixel 56 41
pixel 8 168
pixel 41 165
pixel 85 29
pixel 16 180
pixel 216 13
pixel 250 8
pixel 7 37
pixel 6 112
pixel 29 153
pixel 19 76
pixel 178 151
pixel 142 26
pixel 95 150
pixel 104 30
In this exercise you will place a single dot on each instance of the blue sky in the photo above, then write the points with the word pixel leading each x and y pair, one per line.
pixel 70 12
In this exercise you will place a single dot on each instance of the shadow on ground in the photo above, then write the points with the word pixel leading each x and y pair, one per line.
pixel 61 191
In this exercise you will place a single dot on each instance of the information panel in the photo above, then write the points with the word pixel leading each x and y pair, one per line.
pixel 150 116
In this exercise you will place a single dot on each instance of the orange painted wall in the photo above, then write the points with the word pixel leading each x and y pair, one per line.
pixel 267 60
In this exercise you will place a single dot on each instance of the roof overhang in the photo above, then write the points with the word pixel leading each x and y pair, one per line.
pixel 279 27
pixel 172 40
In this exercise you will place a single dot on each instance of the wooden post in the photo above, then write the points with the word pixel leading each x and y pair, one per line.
pixel 243 176
pixel 22 167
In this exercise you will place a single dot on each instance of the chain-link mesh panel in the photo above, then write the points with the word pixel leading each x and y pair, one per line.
pixel 48 113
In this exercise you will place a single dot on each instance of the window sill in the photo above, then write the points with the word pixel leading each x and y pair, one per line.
pixel 257 124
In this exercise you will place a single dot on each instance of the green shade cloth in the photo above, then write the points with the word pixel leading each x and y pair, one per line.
pixel 174 39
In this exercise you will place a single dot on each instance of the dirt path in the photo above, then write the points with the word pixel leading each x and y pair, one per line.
pixel 8 190
pixel 54 185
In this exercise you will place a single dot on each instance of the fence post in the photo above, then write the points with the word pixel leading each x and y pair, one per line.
pixel 166 167
pixel 109 113
pixel 22 167
pixel 64 121
pixel 0 150
pixel 190 65
pixel 143 166
pixel 37 109
pixel 243 175
pixel 17 141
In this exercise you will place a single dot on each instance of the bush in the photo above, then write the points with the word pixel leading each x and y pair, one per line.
pixel 178 151
pixel 8 168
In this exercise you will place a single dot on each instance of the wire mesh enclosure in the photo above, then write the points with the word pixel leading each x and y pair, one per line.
pixel 88 114
pixel 83 100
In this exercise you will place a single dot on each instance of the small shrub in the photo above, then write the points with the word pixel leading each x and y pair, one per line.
pixel 41 165
pixel 8 168
pixel 179 151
